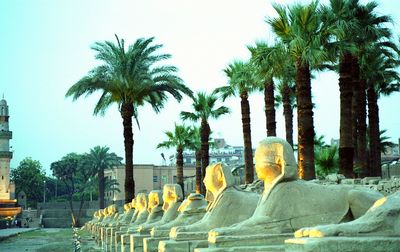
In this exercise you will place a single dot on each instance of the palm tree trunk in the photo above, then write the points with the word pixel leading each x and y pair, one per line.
pixel 269 99
pixel 248 150
pixel 127 114
pixel 305 122
pixel 100 175
pixel 205 156
pixel 362 129
pixel 288 113
pixel 346 148
pixel 198 171
pixel 373 120
pixel 354 112
pixel 179 168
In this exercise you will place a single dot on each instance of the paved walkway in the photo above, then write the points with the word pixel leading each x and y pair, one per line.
pixel 9 232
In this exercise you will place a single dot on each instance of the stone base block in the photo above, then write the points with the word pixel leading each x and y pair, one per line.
pixel 272 248
pixel 136 242
pixel 151 244
pixel 249 240
pixel 125 240
pixel 181 246
pixel 343 244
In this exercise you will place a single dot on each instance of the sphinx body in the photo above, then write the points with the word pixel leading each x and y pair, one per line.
pixel 288 204
pixel 382 219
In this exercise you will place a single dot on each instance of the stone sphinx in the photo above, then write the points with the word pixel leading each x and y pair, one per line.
pixel 155 213
pixel 228 205
pixel 139 217
pixel 190 211
pixel 288 204
pixel 382 219
pixel 172 197
pixel 123 220
pixel 377 230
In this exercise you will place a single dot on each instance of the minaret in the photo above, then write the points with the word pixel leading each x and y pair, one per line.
pixel 5 153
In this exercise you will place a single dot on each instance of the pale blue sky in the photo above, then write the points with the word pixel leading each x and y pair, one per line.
pixel 45 48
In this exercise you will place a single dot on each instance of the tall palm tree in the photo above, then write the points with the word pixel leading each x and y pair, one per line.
pixel 275 61
pixel 180 139
pixel 265 66
pixel 204 108
pixel 130 78
pixel 195 145
pixel 101 159
pixel 378 67
pixel 242 82
pixel 356 25
pixel 299 27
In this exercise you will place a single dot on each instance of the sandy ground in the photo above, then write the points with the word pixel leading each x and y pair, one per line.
pixel 46 240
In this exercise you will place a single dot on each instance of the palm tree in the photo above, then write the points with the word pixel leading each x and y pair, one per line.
pixel 265 67
pixel 378 67
pixel 299 27
pixel 195 145
pixel 204 109
pixel 242 82
pixel 130 78
pixel 101 159
pixel 277 62
pixel 356 25
pixel 180 139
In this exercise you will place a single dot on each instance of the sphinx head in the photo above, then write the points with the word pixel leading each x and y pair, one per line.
pixel 274 158
pixel 141 202
pixel 171 193
pixel 155 199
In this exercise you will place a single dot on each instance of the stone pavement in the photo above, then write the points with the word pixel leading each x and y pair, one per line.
pixel 10 232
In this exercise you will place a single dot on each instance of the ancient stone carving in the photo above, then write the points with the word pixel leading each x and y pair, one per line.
pixel 382 219
pixel 228 204
pixel 288 204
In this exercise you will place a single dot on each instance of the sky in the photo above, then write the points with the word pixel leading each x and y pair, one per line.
pixel 45 49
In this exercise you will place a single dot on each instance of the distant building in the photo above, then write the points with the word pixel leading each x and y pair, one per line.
pixel 226 154
pixel 147 177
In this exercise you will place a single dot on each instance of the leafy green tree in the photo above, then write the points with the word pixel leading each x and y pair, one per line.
pixel 299 27
pixel 29 177
pixel 74 170
pixel 101 159
pixel 242 82
pixel 204 107
pixel 130 78
pixel 179 139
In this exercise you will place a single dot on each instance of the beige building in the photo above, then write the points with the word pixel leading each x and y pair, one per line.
pixel 147 177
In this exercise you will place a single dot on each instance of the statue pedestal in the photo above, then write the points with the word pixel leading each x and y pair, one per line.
pixel 249 240
pixel 136 242
pixel 150 244
pixel 272 248
pixel 181 246
pixel 347 244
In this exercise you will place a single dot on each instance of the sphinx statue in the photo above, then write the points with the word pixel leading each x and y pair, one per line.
pixel 113 216
pixel 223 195
pixel 382 219
pixel 190 211
pixel 123 219
pixel 139 217
pixel 172 197
pixel 288 204
pixel 155 213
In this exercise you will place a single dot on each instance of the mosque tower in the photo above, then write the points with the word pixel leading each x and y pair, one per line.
pixel 5 153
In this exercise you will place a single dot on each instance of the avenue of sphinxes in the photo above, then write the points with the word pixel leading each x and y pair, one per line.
pixel 289 215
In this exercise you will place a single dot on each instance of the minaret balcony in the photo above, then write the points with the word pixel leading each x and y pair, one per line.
pixel 5 134
pixel 6 154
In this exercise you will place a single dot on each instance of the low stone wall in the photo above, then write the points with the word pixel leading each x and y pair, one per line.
pixel 384 186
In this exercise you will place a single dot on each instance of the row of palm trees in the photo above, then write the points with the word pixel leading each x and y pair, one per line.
pixel 345 36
